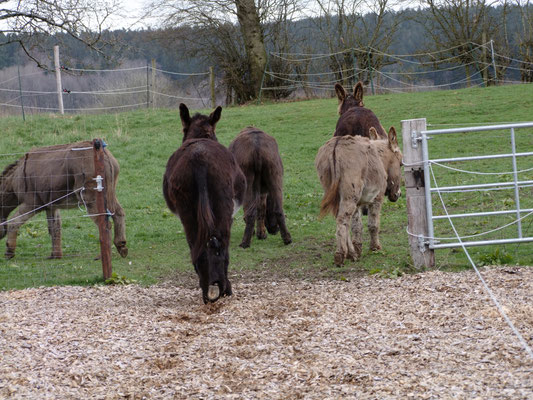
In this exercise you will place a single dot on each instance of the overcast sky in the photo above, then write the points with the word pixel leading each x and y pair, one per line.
pixel 132 10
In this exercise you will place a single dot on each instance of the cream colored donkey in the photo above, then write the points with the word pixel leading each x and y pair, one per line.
pixel 356 171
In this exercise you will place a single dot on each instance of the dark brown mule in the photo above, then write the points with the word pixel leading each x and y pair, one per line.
pixel 356 171
pixel 258 156
pixel 51 178
pixel 203 185
pixel 355 119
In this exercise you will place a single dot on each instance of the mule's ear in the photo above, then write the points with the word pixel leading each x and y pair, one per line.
pixel 341 93
pixel 214 117
pixel 185 116
pixel 373 133
pixel 358 91
pixel 393 139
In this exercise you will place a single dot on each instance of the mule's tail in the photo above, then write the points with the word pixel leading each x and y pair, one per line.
pixel 205 219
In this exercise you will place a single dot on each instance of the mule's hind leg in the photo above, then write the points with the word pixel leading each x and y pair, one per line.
pixel 53 217
pixel 374 211
pixel 347 207
pixel 23 213
pixel 261 215
pixel 357 234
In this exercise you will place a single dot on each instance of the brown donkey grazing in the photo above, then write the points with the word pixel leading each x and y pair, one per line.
pixel 55 177
pixel 355 119
pixel 356 171
pixel 203 185
pixel 258 156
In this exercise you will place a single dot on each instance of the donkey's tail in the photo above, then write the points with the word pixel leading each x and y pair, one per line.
pixel 205 217
pixel 330 201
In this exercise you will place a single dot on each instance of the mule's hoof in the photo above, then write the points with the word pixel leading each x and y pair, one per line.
pixel 338 259
pixel 9 255
pixel 244 245
pixel 55 256
pixel 375 247
pixel 261 235
pixel 287 240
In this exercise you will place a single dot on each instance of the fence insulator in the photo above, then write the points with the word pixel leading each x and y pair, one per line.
pixel 99 180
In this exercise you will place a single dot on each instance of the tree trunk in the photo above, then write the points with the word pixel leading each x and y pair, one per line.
pixel 253 41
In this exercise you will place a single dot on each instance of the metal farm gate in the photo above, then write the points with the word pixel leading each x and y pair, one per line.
pixel 421 186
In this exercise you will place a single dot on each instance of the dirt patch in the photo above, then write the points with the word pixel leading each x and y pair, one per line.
pixel 431 335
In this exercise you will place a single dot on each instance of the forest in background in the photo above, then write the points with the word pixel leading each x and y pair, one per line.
pixel 402 47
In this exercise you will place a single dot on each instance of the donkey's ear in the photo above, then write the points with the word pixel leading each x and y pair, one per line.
pixel 185 116
pixel 393 139
pixel 373 133
pixel 214 117
pixel 341 93
pixel 358 91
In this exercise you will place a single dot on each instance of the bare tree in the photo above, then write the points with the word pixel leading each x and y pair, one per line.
pixel 525 39
pixel 456 28
pixel 355 29
pixel 231 34
pixel 30 22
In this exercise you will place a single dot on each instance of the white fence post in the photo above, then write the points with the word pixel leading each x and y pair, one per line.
pixel 422 255
pixel 58 80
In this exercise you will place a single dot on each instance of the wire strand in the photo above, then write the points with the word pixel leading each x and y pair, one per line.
pixel 487 288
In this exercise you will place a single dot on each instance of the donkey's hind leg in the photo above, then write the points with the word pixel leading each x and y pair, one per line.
pixel 277 208
pixel 250 211
pixel 119 226
pixel 347 207
pixel 23 213
pixel 261 215
pixel 357 234
pixel 53 217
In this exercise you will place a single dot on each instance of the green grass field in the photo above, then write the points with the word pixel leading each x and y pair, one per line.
pixel 143 140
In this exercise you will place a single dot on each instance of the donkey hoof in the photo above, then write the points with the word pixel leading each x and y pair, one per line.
pixel 261 235
pixel 353 256
pixel 123 251
pixel 338 259
pixel 9 254
pixel 244 245
pixel 375 247
pixel 55 256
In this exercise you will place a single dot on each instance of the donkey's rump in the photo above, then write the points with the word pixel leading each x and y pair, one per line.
pixel 258 156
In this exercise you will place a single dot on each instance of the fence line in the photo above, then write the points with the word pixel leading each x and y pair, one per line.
pixel 138 88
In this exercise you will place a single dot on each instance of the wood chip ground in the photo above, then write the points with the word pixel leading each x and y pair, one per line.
pixel 433 335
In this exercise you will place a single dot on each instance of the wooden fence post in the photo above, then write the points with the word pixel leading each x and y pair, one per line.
pixel 422 255
pixel 58 80
pixel 152 84
pixel 102 218
pixel 212 85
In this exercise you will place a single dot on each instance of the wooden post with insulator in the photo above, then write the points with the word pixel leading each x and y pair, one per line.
pixel 102 217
